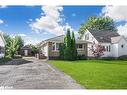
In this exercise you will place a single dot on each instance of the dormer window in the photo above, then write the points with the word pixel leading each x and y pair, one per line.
pixel 87 37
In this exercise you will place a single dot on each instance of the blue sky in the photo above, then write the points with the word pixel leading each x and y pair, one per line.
pixel 31 22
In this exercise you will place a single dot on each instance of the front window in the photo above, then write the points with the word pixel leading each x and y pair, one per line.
pixel 53 46
pixel 57 46
pixel 79 46
pixel 1 49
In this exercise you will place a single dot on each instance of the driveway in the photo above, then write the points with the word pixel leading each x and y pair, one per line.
pixel 35 74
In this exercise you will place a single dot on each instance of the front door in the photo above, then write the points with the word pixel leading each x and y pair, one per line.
pixel 26 52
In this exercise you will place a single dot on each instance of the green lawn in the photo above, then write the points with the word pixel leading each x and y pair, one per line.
pixel 96 74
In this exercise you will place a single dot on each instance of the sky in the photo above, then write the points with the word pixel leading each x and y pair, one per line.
pixel 37 23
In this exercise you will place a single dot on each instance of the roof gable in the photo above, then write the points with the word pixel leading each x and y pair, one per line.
pixel 103 36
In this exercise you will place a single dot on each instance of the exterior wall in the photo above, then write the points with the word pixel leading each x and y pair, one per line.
pixel 55 53
pixel 122 51
pixel 91 37
pixel 2 44
pixel 107 53
pixel 45 49
pixel 114 50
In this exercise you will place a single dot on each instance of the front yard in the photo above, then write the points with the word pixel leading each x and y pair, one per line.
pixel 96 74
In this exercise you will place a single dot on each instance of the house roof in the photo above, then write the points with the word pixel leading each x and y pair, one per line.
pixel 116 39
pixel 61 40
pixel 103 36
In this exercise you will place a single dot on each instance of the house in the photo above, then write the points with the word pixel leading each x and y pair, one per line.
pixel 26 51
pixel 115 45
pixel 2 46
pixel 50 47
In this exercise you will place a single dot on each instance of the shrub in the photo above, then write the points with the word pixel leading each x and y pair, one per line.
pixel 124 57
pixel 81 57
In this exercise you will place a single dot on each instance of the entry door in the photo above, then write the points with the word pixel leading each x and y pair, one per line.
pixel 26 52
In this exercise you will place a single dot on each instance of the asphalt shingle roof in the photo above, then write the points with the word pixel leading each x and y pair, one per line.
pixel 104 36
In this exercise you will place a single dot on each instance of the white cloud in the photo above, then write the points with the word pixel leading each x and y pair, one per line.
pixel 117 13
pixel 1 21
pixel 3 6
pixel 50 21
pixel 22 35
pixel 122 29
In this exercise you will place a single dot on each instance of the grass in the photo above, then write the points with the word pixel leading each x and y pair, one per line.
pixel 96 74
pixel 4 60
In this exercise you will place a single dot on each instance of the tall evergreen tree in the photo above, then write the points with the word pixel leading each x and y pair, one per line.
pixel 67 42
pixel 61 49
pixel 73 47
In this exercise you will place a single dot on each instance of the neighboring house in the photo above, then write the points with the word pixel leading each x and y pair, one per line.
pixel 2 46
pixel 26 51
pixel 50 47
pixel 114 44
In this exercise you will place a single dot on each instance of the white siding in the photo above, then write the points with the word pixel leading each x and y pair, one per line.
pixel 45 49
pixel 91 37
pixel 2 44
pixel 122 51
pixel 114 50
pixel 107 53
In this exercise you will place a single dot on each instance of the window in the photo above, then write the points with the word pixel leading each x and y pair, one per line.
pixel 87 37
pixel 53 46
pixel 121 46
pixel 57 46
pixel 109 48
pixel 79 46
pixel 1 49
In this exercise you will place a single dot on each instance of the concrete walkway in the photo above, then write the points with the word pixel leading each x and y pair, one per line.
pixel 35 74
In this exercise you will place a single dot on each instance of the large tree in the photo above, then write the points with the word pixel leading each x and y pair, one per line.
pixel 98 23
pixel 20 42
pixel 73 47
pixel 13 44
pixel 67 50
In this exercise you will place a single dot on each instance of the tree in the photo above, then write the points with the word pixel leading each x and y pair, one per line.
pixel 12 49
pixel 61 49
pixel 67 50
pixel 98 23
pixel 34 49
pixel 73 47
pixel 20 42
pixel 13 44
pixel 97 50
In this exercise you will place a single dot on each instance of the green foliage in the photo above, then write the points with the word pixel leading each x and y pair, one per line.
pixel 20 42
pixel 73 47
pixel 13 44
pixel 67 50
pixel 98 23
pixel 34 49
pixel 61 49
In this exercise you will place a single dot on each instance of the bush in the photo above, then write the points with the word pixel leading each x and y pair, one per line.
pixel 4 60
pixel 124 57
pixel 81 57
pixel 107 58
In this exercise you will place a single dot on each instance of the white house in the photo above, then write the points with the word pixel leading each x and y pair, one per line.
pixel 114 44
pixel 2 45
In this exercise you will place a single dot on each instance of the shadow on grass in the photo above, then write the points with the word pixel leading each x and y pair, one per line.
pixel 16 62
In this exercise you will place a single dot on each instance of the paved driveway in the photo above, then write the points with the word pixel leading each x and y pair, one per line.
pixel 35 74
